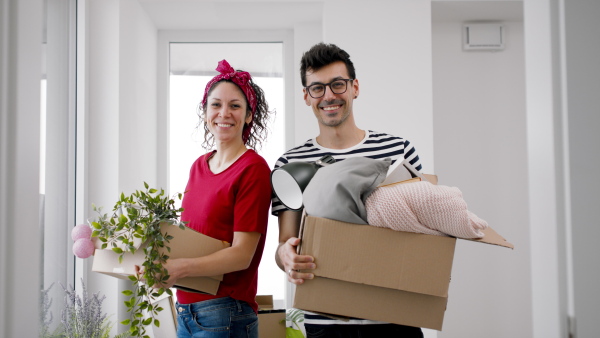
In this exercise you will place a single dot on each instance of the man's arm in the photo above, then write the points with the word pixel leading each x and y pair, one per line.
pixel 286 257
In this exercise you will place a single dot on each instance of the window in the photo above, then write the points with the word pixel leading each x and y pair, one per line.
pixel 57 153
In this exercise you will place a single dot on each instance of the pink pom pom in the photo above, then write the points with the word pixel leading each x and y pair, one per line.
pixel 81 231
pixel 83 248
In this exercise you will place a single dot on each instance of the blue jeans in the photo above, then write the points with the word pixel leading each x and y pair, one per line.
pixel 216 318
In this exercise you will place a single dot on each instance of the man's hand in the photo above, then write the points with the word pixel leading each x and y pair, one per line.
pixel 293 262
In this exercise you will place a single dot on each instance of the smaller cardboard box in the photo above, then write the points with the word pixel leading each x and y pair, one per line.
pixel 167 318
pixel 377 273
pixel 271 322
pixel 186 243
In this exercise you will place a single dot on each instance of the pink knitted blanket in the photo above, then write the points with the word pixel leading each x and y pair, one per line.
pixel 425 208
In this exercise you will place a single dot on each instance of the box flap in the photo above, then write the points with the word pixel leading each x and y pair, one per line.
pixel 265 302
pixel 401 171
pixel 492 237
pixel 433 179
pixel 379 257
pixel 188 243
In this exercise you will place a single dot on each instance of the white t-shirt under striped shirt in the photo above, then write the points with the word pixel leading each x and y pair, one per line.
pixel 375 145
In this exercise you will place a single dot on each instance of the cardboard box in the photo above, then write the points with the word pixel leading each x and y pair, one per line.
pixel 377 273
pixel 186 243
pixel 167 318
pixel 271 322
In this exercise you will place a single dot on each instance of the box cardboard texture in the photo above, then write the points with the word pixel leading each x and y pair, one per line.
pixel 377 273
pixel 271 322
pixel 186 243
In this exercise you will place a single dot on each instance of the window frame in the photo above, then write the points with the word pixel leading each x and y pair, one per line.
pixel 165 37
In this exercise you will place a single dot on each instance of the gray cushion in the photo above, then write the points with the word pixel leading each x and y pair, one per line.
pixel 338 191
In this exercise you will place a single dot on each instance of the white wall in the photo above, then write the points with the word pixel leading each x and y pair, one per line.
pixel 582 77
pixel 391 52
pixel 546 189
pixel 480 147
pixel 138 73
pixel 121 119
pixel 304 126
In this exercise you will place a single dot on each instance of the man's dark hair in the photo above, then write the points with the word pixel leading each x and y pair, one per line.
pixel 321 55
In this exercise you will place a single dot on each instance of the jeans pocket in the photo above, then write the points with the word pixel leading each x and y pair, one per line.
pixel 252 329
pixel 213 321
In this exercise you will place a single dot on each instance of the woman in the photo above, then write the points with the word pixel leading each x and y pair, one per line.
pixel 227 197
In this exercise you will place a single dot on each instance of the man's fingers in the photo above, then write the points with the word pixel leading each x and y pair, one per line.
pixel 295 263
pixel 297 277
pixel 303 259
pixel 293 241
pixel 308 265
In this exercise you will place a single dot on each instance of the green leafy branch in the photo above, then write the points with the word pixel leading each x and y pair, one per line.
pixel 295 316
pixel 136 223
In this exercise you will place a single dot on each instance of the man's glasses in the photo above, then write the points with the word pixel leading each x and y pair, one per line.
pixel 317 90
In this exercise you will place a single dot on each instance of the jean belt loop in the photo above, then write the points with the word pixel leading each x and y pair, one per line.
pixel 239 305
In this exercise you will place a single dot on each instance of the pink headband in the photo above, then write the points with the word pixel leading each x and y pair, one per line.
pixel 242 79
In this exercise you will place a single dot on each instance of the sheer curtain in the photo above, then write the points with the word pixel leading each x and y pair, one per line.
pixel 20 74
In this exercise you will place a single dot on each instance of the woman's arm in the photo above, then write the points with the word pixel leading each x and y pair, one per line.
pixel 235 258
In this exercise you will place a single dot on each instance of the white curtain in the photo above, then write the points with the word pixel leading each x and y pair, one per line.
pixel 21 23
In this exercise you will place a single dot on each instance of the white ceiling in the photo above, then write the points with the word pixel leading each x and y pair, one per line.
pixel 283 14
pixel 224 14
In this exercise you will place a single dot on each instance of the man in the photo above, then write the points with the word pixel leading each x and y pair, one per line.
pixel 330 87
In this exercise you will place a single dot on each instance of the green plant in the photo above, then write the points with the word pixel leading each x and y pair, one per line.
pixel 296 317
pixel 137 219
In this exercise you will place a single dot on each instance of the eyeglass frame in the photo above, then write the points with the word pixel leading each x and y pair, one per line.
pixel 327 85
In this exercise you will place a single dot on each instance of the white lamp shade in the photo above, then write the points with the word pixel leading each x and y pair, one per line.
pixel 290 180
pixel 287 189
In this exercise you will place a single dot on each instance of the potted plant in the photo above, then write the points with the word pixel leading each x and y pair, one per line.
pixel 135 219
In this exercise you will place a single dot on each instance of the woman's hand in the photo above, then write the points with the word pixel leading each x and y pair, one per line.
pixel 175 268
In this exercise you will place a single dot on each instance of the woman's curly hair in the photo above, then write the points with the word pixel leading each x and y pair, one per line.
pixel 262 115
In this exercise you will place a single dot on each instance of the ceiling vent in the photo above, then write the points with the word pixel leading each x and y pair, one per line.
pixel 483 36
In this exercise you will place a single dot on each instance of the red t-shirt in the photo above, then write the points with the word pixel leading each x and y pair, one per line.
pixel 217 205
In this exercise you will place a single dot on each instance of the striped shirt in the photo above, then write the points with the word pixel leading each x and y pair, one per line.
pixel 376 146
